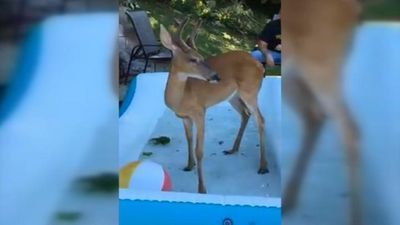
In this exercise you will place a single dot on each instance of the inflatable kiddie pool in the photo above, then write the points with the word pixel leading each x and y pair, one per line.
pixel 143 115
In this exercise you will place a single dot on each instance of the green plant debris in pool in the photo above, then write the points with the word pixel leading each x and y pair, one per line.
pixel 162 140
pixel 68 216
pixel 147 153
pixel 104 183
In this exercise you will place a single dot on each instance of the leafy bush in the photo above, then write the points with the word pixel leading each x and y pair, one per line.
pixel 231 13
pixel 130 4
pixel 198 8
pixel 236 16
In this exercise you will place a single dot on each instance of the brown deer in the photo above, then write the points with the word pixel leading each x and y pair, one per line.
pixel 316 35
pixel 195 83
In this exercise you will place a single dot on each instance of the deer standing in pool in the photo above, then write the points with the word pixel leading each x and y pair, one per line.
pixel 315 37
pixel 195 83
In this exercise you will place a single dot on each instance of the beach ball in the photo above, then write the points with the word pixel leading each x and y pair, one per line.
pixel 144 176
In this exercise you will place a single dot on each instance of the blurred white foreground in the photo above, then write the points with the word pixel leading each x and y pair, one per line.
pixel 372 88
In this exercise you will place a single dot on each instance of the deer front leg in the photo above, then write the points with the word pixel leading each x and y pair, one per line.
pixel 199 121
pixel 188 124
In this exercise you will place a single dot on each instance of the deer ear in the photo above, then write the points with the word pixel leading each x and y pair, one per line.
pixel 166 39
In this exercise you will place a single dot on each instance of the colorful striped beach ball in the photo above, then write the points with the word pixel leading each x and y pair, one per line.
pixel 145 176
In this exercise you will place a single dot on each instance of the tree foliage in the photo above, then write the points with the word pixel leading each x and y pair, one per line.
pixel 238 15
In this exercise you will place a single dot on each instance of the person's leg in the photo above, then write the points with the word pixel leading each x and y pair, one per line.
pixel 258 55
pixel 276 56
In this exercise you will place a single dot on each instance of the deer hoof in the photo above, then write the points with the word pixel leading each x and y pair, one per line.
pixel 202 190
pixel 229 152
pixel 263 171
pixel 188 168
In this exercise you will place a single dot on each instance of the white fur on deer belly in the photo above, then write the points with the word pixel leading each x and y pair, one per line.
pixel 185 76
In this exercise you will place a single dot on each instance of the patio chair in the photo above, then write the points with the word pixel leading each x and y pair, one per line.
pixel 148 48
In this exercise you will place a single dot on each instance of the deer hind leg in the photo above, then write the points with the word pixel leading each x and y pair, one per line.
pixel 300 97
pixel 330 98
pixel 188 124
pixel 199 121
pixel 250 100
pixel 241 108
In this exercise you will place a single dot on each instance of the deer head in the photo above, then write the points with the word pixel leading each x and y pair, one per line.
pixel 186 61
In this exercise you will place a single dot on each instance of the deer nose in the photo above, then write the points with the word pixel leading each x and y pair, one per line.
pixel 214 77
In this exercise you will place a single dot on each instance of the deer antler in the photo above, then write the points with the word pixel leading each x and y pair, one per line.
pixel 191 41
pixel 179 40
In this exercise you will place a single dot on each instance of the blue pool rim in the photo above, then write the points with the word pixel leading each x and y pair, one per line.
pixel 128 97
pixel 183 213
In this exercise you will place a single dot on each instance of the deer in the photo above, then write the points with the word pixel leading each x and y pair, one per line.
pixel 315 36
pixel 195 84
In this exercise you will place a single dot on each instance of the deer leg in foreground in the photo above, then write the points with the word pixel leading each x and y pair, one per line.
pixel 349 134
pixel 335 107
pixel 188 124
pixel 307 107
pixel 263 162
pixel 240 107
pixel 199 121
pixel 350 137
pixel 251 103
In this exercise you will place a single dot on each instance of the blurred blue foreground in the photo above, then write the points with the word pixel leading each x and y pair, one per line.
pixel 59 116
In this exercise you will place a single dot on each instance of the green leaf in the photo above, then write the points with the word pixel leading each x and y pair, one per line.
pixel 68 216
pixel 103 183
pixel 147 153
pixel 162 140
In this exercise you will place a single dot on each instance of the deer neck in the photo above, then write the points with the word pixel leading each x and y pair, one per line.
pixel 174 92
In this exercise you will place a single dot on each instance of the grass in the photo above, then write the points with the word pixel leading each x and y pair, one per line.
pixel 382 10
pixel 213 38
pixel 273 71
